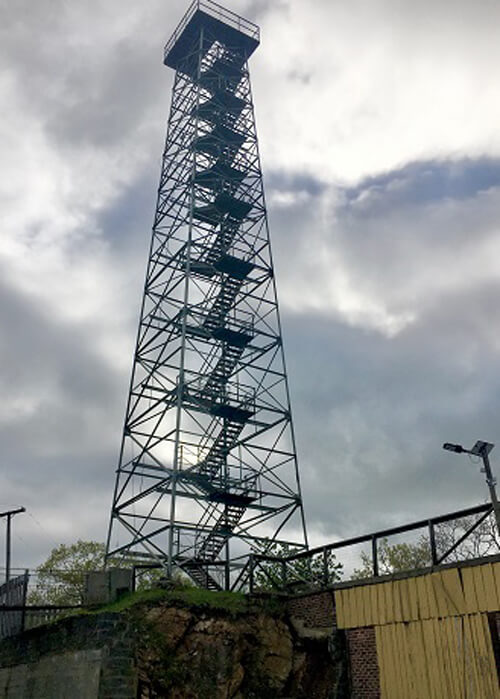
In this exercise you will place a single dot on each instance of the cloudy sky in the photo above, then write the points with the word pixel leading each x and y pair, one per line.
pixel 378 124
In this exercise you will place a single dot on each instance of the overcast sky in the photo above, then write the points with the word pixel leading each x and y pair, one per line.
pixel 378 125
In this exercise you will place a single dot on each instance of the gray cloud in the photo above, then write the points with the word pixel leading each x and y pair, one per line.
pixel 421 183
pixel 59 421
pixel 58 387
pixel 379 139
pixel 372 413
pixel 373 403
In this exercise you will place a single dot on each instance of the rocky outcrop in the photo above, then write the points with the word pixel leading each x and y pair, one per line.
pixel 192 654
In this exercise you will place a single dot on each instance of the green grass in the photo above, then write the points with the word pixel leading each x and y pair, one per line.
pixel 231 602
pixel 131 599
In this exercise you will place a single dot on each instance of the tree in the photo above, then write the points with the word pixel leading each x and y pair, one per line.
pixel 484 540
pixel 60 580
pixel 269 575
pixel 395 557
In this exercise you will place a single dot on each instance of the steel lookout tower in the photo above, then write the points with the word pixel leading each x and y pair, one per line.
pixel 207 470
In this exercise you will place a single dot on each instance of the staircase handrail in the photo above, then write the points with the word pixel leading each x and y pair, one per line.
pixel 243 321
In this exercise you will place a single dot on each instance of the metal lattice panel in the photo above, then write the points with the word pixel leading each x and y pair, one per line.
pixel 208 454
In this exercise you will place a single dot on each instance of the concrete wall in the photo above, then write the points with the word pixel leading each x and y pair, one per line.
pixel 86 657
pixel 54 676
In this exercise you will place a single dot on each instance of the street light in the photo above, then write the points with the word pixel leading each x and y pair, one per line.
pixel 481 449
pixel 9 514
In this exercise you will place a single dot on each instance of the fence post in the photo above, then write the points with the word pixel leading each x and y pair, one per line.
pixel 374 556
pixel 25 598
pixel 432 539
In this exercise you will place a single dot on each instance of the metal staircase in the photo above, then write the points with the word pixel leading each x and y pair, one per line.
pixel 199 574
pixel 208 420
pixel 213 463
pixel 216 259
pixel 226 364
pixel 223 302
pixel 222 530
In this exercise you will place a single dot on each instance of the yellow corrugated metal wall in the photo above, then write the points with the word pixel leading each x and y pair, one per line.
pixel 432 634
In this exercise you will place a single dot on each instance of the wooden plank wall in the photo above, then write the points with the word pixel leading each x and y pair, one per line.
pixel 448 658
pixel 432 633
pixel 437 595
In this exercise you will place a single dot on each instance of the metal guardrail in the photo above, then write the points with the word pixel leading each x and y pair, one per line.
pixel 242 322
pixel 218 12
pixel 236 394
pixel 287 566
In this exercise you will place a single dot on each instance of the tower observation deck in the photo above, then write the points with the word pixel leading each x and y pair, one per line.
pixel 207 470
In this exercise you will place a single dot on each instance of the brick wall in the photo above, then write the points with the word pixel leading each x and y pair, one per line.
pixel 363 663
pixel 315 610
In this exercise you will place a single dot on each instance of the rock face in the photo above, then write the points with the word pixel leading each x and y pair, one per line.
pixel 190 654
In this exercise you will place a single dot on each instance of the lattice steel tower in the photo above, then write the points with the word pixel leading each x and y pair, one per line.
pixel 208 469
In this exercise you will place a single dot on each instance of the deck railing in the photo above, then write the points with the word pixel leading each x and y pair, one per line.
pixel 325 565
pixel 218 12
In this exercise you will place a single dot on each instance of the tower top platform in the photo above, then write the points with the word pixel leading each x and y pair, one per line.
pixel 226 26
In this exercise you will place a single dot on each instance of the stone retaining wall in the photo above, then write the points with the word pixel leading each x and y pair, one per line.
pixel 89 657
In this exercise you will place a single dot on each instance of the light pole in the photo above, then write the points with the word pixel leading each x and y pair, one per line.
pixel 481 449
pixel 9 514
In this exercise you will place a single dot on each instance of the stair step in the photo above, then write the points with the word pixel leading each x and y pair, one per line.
pixel 222 303
pixel 223 67
pixel 233 266
pixel 220 76
pixel 207 214
pixel 222 530
pixel 200 576
pixel 231 498
pixel 215 176
pixel 234 207
pixel 236 338
pixel 217 141
pixel 219 450
pixel 231 412
pixel 222 104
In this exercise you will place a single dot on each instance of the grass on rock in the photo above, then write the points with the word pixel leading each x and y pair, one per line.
pixel 232 602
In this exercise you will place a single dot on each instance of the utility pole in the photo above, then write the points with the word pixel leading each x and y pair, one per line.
pixel 491 481
pixel 482 449
pixel 9 514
